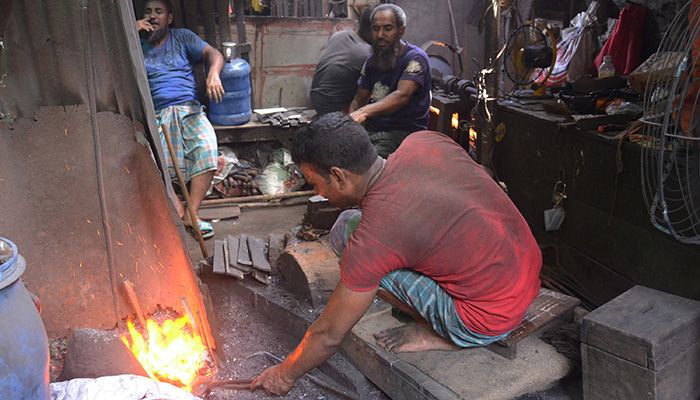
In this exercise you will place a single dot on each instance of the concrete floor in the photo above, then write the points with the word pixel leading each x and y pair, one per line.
pixel 539 372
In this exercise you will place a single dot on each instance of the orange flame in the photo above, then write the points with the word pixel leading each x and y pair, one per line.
pixel 455 120
pixel 172 353
pixel 435 110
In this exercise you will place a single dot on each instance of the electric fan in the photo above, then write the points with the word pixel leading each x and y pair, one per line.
pixel 530 52
pixel 670 164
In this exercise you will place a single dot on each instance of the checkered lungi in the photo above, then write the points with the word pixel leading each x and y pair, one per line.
pixel 192 136
pixel 417 290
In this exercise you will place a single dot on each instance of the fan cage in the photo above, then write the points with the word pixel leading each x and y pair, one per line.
pixel 524 35
pixel 670 145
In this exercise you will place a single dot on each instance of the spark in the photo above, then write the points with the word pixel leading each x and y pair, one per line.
pixel 127 170
pixel 67 167
pixel 98 232
pixel 81 264
pixel 65 131
pixel 119 243
pixel 88 221
pixel 128 225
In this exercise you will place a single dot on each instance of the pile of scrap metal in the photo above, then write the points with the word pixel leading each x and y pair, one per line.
pixel 242 255
pixel 291 118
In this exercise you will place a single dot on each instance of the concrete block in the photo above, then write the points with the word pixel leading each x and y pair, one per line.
pixel 93 353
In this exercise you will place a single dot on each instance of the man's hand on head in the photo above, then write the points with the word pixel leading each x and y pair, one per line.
pixel 215 90
pixel 274 381
pixel 144 25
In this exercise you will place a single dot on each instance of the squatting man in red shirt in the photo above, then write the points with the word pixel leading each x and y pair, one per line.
pixel 433 229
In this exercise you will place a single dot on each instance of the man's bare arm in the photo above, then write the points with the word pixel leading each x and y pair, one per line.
pixel 361 98
pixel 215 90
pixel 393 102
pixel 323 338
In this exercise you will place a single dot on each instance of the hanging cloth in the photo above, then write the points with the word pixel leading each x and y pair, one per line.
pixel 625 43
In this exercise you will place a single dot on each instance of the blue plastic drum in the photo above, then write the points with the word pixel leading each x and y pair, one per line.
pixel 24 346
pixel 235 107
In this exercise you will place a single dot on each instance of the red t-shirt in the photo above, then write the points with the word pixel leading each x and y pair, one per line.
pixel 435 211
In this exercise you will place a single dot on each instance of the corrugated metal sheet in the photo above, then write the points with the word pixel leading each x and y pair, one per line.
pixel 80 192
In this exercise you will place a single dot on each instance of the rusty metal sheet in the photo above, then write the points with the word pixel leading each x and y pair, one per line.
pixel 80 191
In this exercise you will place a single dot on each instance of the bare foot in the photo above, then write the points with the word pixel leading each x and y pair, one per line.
pixel 411 338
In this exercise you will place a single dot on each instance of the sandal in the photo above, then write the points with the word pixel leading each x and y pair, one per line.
pixel 205 227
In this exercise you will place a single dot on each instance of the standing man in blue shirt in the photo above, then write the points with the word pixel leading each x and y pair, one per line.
pixel 170 55
pixel 393 97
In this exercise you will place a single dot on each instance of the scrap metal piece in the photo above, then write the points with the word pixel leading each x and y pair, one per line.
pixel 257 253
pixel 262 277
pixel 243 251
pixel 219 266
pixel 233 245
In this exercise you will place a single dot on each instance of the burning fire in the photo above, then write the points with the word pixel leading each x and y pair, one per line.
pixel 172 351
pixel 455 120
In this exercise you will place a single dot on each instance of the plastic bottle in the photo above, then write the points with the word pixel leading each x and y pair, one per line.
pixel 234 108
pixel 607 68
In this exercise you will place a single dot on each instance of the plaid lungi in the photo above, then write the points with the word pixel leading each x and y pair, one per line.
pixel 192 136
pixel 418 291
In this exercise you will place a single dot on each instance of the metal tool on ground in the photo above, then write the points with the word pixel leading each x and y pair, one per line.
pixel 318 381
pixel 183 185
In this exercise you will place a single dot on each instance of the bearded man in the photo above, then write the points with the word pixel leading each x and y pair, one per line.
pixel 170 56
pixel 393 96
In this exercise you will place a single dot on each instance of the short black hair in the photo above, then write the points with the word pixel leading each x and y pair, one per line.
pixel 167 3
pixel 398 13
pixel 334 140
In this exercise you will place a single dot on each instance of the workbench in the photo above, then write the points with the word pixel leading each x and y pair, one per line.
pixel 607 243
pixel 254 131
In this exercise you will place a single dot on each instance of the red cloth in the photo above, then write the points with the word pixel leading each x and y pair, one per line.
pixel 435 211
pixel 625 42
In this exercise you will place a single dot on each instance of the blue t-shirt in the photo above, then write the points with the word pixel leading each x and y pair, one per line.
pixel 412 65
pixel 169 67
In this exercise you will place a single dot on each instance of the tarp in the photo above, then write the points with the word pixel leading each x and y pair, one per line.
pixel 80 189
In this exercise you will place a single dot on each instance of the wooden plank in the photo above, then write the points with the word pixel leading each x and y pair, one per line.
pixel 178 15
pixel 190 14
pixel 224 21
pixel 139 7
pixel 257 254
pixel 546 307
pixel 209 22
pixel 219 266
pixel 243 251
pixel 219 212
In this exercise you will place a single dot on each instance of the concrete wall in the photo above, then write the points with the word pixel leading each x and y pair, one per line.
pixel 430 20
pixel 284 55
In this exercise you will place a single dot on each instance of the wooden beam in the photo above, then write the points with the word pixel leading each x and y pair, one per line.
pixel 190 14
pixel 224 21
pixel 178 17
pixel 209 22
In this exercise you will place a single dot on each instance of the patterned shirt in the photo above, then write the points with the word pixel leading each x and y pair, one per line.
pixel 412 65
pixel 169 67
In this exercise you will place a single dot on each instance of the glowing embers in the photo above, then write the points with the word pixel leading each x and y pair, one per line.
pixel 172 351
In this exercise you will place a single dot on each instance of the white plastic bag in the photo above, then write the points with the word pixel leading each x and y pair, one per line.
pixel 119 387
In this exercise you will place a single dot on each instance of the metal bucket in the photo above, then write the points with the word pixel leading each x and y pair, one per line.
pixel 24 346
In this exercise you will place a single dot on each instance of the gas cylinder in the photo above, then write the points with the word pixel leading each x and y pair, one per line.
pixel 234 108
pixel 24 347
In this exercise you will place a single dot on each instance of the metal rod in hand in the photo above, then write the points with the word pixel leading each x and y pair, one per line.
pixel 185 192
